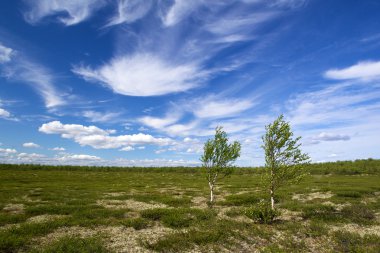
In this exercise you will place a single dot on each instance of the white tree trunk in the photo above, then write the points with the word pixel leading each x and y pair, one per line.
pixel 211 193
pixel 272 199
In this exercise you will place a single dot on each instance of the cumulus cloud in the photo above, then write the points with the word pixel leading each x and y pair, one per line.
pixel 8 150
pixel 30 145
pixel 29 156
pixel 128 11
pixel 365 71
pixel 58 149
pixel 80 157
pixel 127 148
pixel 99 138
pixel 5 53
pixel 142 75
pixel 65 11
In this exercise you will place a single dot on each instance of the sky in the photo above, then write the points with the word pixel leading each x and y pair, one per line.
pixel 145 83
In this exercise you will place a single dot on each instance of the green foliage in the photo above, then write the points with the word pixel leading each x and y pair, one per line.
pixel 218 157
pixel 75 244
pixel 262 213
pixel 283 156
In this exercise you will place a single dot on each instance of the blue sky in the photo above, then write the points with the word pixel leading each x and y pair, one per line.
pixel 129 82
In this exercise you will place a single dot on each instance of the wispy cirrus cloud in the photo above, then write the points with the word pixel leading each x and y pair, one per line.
pixel 20 68
pixel 106 117
pixel 214 107
pixel 181 9
pixel 129 11
pixel 5 53
pixel 143 75
pixel 66 12
pixel 365 71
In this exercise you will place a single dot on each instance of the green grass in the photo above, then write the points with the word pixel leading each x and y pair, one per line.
pixel 179 217
pixel 75 245
pixel 72 195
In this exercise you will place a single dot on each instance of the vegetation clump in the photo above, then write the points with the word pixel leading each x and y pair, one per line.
pixel 218 157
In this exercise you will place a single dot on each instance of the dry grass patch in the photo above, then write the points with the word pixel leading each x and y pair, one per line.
pixel 200 202
pixel 14 208
pixel 45 218
pixel 358 229
pixel 288 215
pixel 128 204
pixel 338 207
pixel 312 196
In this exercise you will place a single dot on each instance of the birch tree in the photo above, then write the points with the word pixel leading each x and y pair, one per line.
pixel 218 158
pixel 283 157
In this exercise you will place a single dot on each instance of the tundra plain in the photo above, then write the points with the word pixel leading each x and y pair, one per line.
pixel 336 208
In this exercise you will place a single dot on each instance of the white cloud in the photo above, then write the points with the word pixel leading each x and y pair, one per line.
pixel 67 12
pixel 29 156
pixel 70 130
pixel 4 113
pixel 180 10
pixel 159 151
pixel 218 108
pixel 58 149
pixel 331 137
pixel 30 145
pixel 141 147
pixel 8 150
pixel 99 138
pixel 143 75
pixel 365 71
pixel 235 25
pixel 37 76
pixel 5 53
pixel 94 116
pixel 80 157
pixel 156 122
pixel 128 11
pixel 127 148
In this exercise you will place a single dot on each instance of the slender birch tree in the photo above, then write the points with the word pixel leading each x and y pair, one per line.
pixel 283 157
pixel 218 158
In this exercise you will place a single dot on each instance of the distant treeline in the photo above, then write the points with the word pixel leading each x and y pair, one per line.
pixel 367 166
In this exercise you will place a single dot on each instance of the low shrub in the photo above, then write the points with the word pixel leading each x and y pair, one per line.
pixel 262 213
pixel 358 213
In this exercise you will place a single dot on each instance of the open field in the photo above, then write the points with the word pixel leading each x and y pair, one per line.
pixel 65 209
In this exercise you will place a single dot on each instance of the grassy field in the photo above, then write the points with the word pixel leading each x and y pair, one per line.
pixel 66 209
